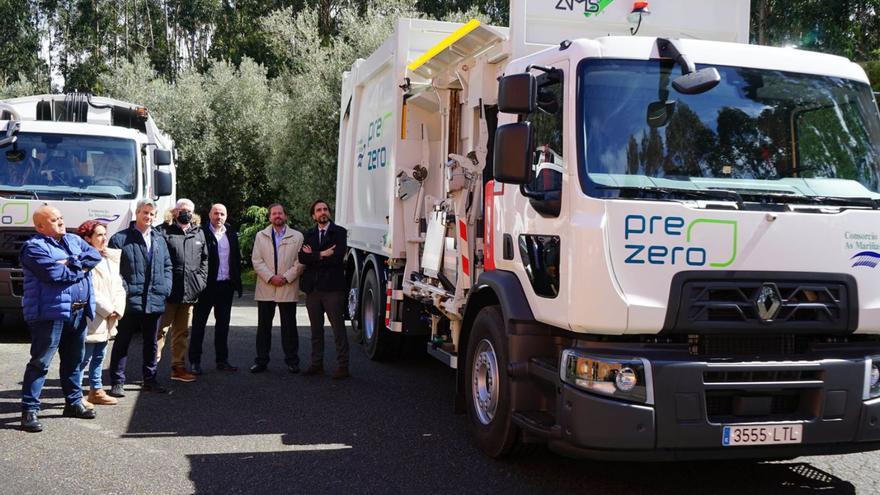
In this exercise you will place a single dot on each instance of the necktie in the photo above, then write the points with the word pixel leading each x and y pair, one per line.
pixel 320 237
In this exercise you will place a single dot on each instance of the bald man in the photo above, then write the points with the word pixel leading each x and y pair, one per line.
pixel 58 301
pixel 224 278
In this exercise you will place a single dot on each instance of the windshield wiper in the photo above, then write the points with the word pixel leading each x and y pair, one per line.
pixel 95 194
pixel 818 200
pixel 16 192
pixel 640 192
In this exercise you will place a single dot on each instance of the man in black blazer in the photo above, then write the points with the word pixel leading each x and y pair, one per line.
pixel 224 278
pixel 325 286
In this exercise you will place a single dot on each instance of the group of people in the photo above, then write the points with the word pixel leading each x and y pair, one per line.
pixel 83 290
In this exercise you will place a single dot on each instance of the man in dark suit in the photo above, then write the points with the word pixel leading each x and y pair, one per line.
pixel 224 278
pixel 325 286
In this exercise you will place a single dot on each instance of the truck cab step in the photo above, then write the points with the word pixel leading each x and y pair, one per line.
pixel 539 423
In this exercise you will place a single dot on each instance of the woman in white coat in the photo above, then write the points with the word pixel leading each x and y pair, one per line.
pixel 109 308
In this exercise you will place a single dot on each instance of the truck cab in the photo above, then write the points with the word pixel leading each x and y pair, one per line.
pixel 90 157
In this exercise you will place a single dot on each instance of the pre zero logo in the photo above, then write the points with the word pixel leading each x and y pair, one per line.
pixel 658 240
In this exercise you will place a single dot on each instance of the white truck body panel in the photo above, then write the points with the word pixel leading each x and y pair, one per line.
pixel 371 151
pixel 539 24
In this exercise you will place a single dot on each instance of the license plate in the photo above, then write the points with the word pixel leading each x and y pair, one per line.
pixel 736 436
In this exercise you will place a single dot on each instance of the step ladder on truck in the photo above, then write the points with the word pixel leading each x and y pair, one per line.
pixel 630 233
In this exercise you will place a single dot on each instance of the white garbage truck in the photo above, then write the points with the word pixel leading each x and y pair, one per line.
pixel 632 234
pixel 93 158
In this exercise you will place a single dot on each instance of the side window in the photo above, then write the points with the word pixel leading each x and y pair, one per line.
pixel 548 164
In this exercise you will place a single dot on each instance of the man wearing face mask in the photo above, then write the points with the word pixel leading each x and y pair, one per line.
pixel 189 262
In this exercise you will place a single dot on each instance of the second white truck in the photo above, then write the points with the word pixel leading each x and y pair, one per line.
pixel 91 157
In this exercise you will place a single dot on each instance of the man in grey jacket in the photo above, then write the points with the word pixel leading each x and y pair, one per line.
pixel 189 261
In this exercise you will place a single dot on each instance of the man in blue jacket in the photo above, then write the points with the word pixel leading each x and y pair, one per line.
pixel 58 299
pixel 145 267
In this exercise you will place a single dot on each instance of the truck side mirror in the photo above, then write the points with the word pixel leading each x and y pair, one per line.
pixel 513 152
pixel 161 157
pixel 517 93
pixel 162 183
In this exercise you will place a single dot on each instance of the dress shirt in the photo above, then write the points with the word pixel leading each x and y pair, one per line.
pixel 148 240
pixel 222 251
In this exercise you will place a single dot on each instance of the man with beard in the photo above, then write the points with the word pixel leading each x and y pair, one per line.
pixel 278 270
pixel 324 284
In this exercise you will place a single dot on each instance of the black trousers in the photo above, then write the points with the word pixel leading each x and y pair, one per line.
pixel 148 326
pixel 289 333
pixel 333 304
pixel 218 298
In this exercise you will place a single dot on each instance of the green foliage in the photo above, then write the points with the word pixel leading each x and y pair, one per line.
pixel 20 42
pixel 873 70
pixel 845 27
pixel 23 86
pixel 224 123
pixel 255 219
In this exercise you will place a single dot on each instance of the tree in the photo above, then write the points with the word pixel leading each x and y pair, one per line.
pixel 20 42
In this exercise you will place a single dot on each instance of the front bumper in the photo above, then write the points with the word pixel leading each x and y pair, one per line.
pixel 694 400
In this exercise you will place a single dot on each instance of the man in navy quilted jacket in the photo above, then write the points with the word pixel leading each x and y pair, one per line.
pixel 145 268
pixel 58 301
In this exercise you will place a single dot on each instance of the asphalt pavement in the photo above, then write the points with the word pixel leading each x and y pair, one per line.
pixel 388 429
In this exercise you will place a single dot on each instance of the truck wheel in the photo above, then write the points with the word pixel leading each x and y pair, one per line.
pixel 352 310
pixel 379 342
pixel 488 386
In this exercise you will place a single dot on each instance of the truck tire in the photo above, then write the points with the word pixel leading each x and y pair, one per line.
pixel 379 343
pixel 352 310
pixel 487 386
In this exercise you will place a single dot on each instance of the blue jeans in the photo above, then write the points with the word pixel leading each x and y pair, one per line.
pixel 94 359
pixel 68 338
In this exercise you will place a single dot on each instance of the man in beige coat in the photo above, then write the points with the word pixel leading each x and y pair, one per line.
pixel 275 259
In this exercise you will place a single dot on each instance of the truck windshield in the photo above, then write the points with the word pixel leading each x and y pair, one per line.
pixel 65 165
pixel 759 132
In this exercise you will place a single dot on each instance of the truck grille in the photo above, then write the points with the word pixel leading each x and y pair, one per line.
pixel 759 376
pixel 11 241
pixel 748 345
pixel 731 406
pixel 762 302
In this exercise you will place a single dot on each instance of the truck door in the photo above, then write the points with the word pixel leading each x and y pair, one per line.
pixel 540 235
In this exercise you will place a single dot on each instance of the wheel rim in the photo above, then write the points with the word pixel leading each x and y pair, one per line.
pixel 369 312
pixel 484 373
pixel 352 302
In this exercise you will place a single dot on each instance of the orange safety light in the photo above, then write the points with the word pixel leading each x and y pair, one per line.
pixel 142 112
pixel 640 9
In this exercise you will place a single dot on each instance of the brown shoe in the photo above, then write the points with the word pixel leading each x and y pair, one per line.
pixel 101 398
pixel 341 373
pixel 313 370
pixel 88 404
pixel 180 374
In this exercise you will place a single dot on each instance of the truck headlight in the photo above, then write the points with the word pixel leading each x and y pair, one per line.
pixel 872 378
pixel 620 378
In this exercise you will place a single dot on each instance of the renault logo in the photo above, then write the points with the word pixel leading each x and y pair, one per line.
pixel 768 301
